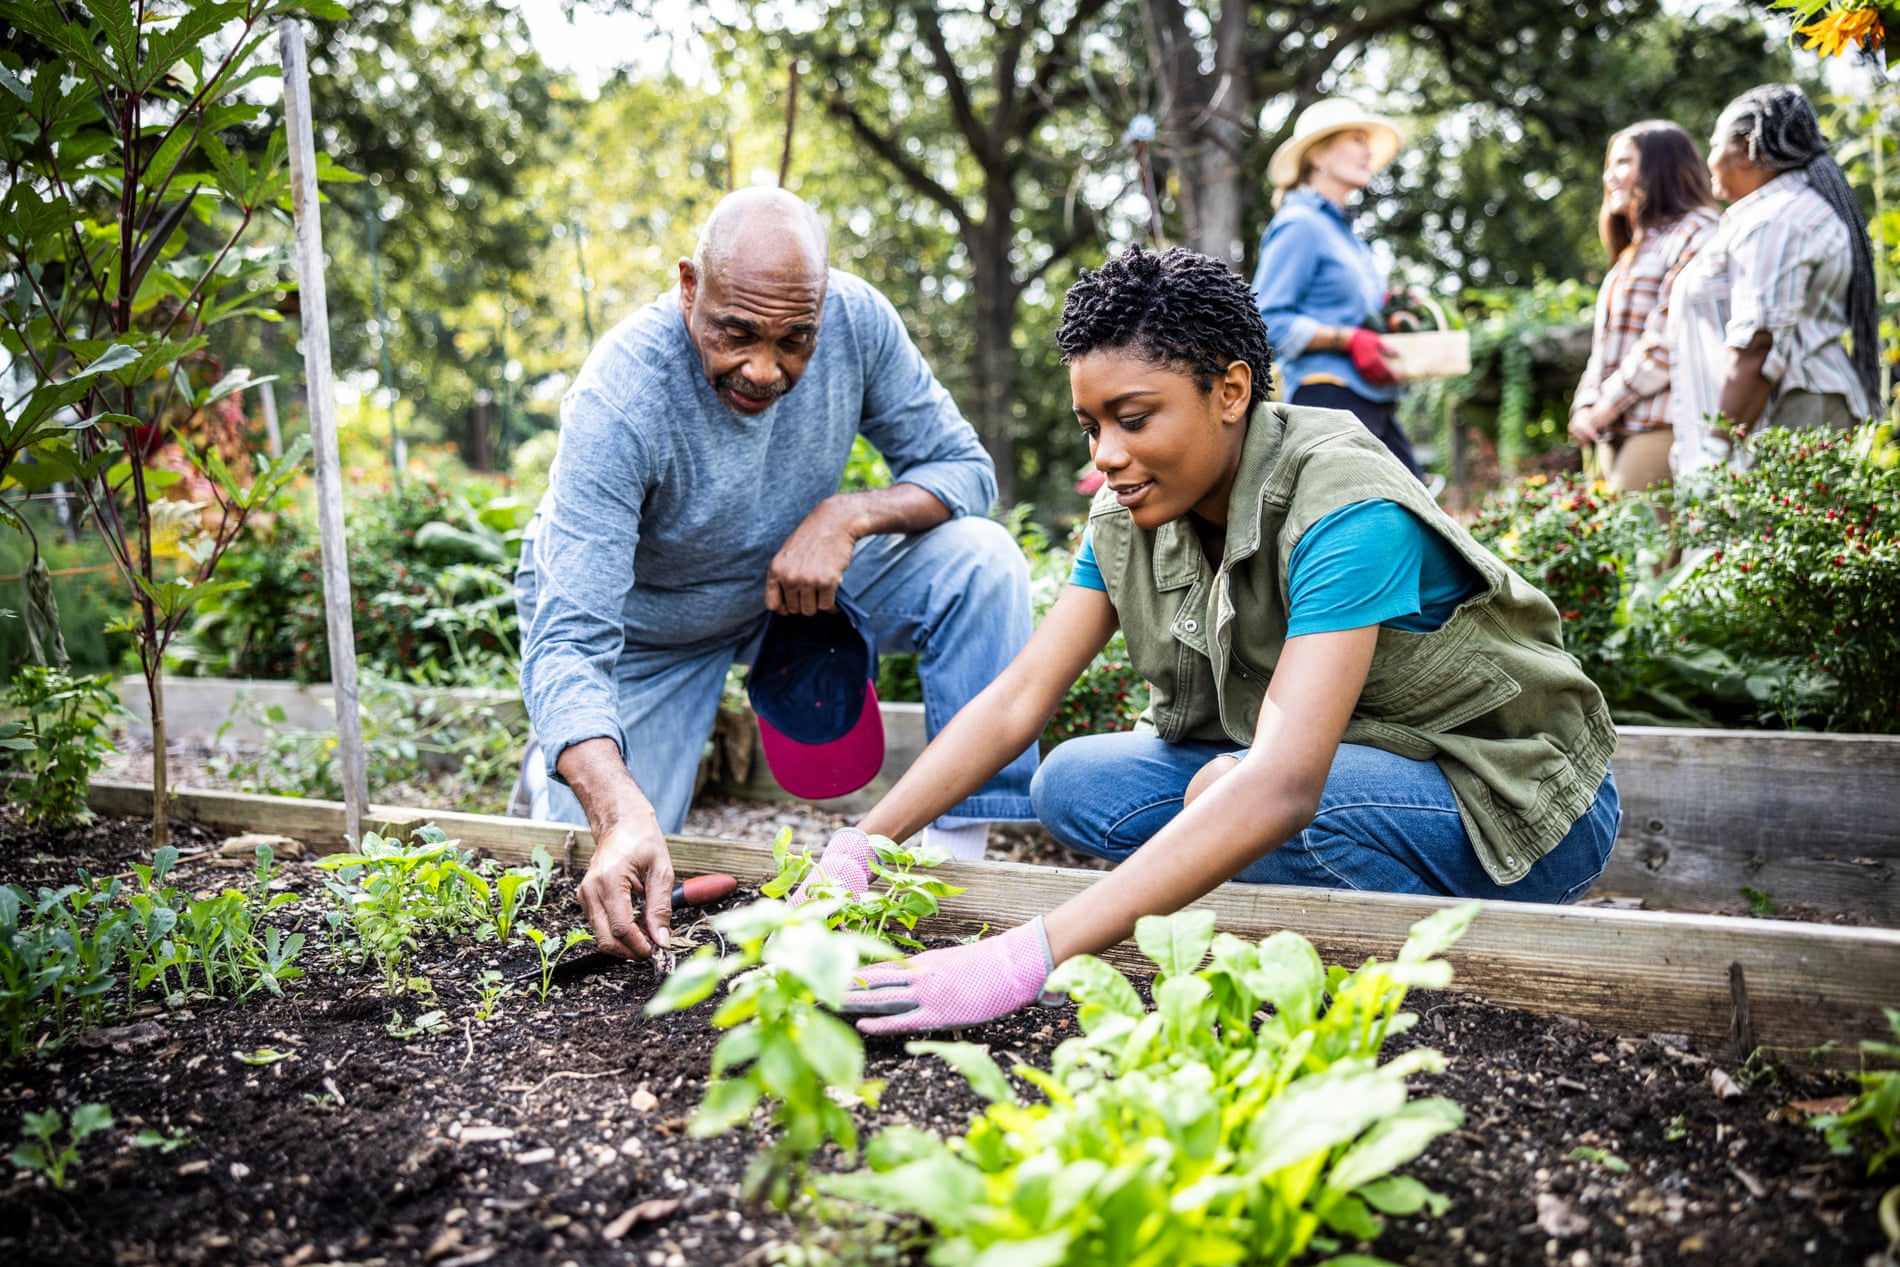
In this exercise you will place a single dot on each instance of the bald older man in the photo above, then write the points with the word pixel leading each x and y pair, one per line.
pixel 697 487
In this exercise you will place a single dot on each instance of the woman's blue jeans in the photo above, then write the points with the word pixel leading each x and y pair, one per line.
pixel 1385 823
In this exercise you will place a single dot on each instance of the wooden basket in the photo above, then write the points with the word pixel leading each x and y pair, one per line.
pixel 1440 353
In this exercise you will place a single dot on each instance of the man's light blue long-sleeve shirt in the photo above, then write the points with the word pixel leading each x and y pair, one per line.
pixel 1315 271
pixel 665 508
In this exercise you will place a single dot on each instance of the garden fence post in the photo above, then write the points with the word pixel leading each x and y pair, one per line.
pixel 322 396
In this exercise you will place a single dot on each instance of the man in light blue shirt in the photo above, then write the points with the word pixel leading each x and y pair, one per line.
pixel 696 487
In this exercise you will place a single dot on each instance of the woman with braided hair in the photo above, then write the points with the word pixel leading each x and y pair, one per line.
pixel 1348 691
pixel 1756 318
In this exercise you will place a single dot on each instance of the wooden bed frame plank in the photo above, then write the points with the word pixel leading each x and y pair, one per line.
pixel 1636 972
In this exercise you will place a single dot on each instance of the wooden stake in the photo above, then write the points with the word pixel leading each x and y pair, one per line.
pixel 322 393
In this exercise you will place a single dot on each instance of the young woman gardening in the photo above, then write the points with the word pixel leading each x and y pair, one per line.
pixel 1348 691
pixel 1657 213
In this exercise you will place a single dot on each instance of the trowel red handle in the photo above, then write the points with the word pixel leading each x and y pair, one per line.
pixel 703 890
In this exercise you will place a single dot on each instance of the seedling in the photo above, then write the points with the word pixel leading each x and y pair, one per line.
pixel 1871 1119
pixel 905 898
pixel 431 1022
pixel 389 895
pixel 495 990
pixel 165 1144
pixel 1760 904
pixel 551 953
pixel 38 1152
pixel 784 1046
pixel 1598 1157
pixel 1207 1130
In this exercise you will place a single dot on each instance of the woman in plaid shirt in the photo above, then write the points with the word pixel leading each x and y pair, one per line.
pixel 1658 211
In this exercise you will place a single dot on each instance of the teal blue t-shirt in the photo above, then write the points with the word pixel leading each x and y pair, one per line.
pixel 1370 563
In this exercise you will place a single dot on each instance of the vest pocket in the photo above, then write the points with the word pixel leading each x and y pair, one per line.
pixel 1440 695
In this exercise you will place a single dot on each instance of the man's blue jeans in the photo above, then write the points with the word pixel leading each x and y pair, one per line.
pixel 957 595
pixel 1385 823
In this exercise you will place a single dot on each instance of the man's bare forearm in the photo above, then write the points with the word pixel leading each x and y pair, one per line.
pixel 904 508
pixel 599 780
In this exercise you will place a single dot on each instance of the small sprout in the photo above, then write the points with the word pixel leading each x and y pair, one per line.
pixel 495 990
pixel 552 953
pixel 1598 1157
pixel 165 1144
pixel 1760 904
pixel 37 1151
pixel 1676 1130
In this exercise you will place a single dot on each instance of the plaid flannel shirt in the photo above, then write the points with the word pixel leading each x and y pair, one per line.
pixel 1629 354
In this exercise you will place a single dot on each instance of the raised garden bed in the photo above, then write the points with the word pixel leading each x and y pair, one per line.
pixel 554 1133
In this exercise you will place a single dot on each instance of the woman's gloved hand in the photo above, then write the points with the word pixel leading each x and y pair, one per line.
pixel 846 862
pixel 1367 350
pixel 959 985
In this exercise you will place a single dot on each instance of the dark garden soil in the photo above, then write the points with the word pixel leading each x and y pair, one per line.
pixel 556 1132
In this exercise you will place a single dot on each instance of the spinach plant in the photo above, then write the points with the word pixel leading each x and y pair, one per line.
pixel 63 742
pixel 39 1151
pixel 783 1046
pixel 1203 1131
pixel 906 896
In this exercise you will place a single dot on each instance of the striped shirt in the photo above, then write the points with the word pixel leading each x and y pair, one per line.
pixel 1629 355
pixel 1780 261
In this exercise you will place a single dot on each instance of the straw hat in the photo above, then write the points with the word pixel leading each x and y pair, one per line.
pixel 1323 119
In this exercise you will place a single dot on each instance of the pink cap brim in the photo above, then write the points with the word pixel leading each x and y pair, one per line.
pixel 819 771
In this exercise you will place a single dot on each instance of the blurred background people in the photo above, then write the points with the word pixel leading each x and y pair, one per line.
pixel 1757 317
pixel 1317 282
pixel 1658 211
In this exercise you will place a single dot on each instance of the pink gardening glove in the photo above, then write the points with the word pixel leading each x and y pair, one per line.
pixel 1368 357
pixel 846 861
pixel 959 985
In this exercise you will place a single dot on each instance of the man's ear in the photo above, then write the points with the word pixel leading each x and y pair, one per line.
pixel 689 288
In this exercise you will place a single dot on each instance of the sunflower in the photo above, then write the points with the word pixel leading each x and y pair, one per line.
pixel 1837 32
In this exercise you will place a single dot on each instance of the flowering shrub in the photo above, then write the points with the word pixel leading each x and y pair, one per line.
pixel 1780 611
pixel 1796 563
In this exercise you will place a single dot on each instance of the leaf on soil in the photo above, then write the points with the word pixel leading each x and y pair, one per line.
pixel 646 1212
pixel 263 1056
pixel 1833 1104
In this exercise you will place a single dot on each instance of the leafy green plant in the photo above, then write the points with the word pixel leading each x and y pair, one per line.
pixel 783 1046
pixel 905 898
pixel 39 1150
pixel 65 739
pixel 493 989
pixel 215 944
pixel 124 136
pixel 433 1021
pixel 387 895
pixel 552 951
pixel 1871 1121
pixel 1761 904
pixel 1203 1131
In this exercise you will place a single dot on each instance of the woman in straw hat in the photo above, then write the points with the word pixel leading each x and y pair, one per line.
pixel 1318 283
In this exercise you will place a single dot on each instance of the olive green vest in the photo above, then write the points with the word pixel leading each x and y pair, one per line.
pixel 1492 696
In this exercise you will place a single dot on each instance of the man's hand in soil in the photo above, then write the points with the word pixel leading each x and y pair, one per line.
pixel 959 985
pixel 805 573
pixel 846 863
pixel 630 854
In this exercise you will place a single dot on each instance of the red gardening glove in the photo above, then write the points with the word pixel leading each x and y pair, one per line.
pixel 956 986
pixel 1368 357
pixel 846 862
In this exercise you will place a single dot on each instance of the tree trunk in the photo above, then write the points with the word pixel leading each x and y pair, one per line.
pixel 1202 121
pixel 161 798
pixel 477 447
pixel 996 291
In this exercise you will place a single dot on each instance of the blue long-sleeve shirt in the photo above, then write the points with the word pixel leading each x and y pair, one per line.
pixel 665 508
pixel 1314 271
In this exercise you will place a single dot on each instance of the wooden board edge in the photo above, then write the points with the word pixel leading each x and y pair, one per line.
pixel 1628 971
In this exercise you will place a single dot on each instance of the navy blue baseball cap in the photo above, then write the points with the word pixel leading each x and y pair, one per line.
pixel 813 687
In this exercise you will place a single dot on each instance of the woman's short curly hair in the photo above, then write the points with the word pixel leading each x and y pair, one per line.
pixel 1178 308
